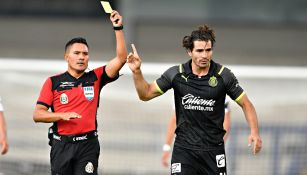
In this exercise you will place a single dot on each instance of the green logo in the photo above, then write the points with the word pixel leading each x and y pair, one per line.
pixel 213 81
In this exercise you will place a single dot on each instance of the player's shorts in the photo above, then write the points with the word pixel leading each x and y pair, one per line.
pixel 198 162
pixel 79 158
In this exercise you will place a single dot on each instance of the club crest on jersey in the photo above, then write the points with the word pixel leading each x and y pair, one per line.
pixel 89 92
pixel 213 81
pixel 63 99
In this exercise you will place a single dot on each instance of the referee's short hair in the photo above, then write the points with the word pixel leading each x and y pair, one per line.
pixel 75 40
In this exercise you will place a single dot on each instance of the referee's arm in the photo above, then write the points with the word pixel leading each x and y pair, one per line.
pixel 41 114
pixel 119 61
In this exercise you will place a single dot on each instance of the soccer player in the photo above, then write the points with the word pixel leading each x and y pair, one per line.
pixel 170 133
pixel 3 137
pixel 73 98
pixel 200 86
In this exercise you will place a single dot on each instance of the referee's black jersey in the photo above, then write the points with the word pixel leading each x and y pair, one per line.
pixel 200 103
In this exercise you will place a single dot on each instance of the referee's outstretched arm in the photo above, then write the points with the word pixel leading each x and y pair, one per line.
pixel 41 114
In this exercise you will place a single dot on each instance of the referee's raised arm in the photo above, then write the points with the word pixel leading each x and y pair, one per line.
pixel 118 62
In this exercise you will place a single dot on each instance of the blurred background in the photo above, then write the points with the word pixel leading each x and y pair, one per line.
pixel 262 41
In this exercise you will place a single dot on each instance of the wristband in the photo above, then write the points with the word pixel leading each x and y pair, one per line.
pixel 166 147
pixel 118 28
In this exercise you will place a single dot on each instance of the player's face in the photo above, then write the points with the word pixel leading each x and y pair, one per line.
pixel 201 54
pixel 77 57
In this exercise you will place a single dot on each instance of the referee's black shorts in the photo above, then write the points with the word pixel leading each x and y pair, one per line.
pixel 80 158
pixel 198 162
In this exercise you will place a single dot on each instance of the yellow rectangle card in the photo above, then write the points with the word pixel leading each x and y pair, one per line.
pixel 106 6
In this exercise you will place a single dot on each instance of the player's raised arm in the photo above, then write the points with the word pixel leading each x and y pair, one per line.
pixel 251 117
pixel 118 62
pixel 145 90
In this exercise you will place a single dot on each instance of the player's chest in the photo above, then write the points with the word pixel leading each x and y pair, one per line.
pixel 209 87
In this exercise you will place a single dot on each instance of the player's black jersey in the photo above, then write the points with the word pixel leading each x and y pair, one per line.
pixel 199 103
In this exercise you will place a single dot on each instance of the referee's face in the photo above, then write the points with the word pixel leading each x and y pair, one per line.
pixel 201 54
pixel 77 57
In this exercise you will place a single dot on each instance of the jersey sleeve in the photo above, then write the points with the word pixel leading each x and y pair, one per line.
pixel 164 83
pixel 233 88
pixel 46 95
pixel 103 76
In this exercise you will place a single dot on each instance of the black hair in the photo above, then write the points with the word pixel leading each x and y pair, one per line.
pixel 75 40
pixel 203 33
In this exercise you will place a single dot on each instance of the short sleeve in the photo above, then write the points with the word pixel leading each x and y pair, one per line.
pixel 233 88
pixel 102 75
pixel 46 95
pixel 164 83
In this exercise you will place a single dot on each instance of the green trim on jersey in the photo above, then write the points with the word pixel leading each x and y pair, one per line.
pixel 240 96
pixel 180 68
pixel 221 70
pixel 158 88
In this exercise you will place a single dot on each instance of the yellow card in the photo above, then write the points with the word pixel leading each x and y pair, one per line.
pixel 106 6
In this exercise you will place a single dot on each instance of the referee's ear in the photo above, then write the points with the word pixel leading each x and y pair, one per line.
pixel 66 57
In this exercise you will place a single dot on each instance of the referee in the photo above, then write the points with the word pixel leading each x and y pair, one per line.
pixel 200 86
pixel 73 98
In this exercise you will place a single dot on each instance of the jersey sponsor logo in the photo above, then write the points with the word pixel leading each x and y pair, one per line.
pixel 191 102
pixel 89 92
pixel 176 167
pixel 79 138
pixel 89 168
pixel 63 99
pixel 67 84
pixel 220 160
pixel 213 81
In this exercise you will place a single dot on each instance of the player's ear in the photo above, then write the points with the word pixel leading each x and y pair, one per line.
pixel 189 52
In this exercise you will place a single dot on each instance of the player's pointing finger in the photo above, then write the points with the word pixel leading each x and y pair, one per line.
pixel 134 49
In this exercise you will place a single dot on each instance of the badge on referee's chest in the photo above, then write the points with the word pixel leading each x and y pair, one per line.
pixel 89 92
pixel 63 99
pixel 213 81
